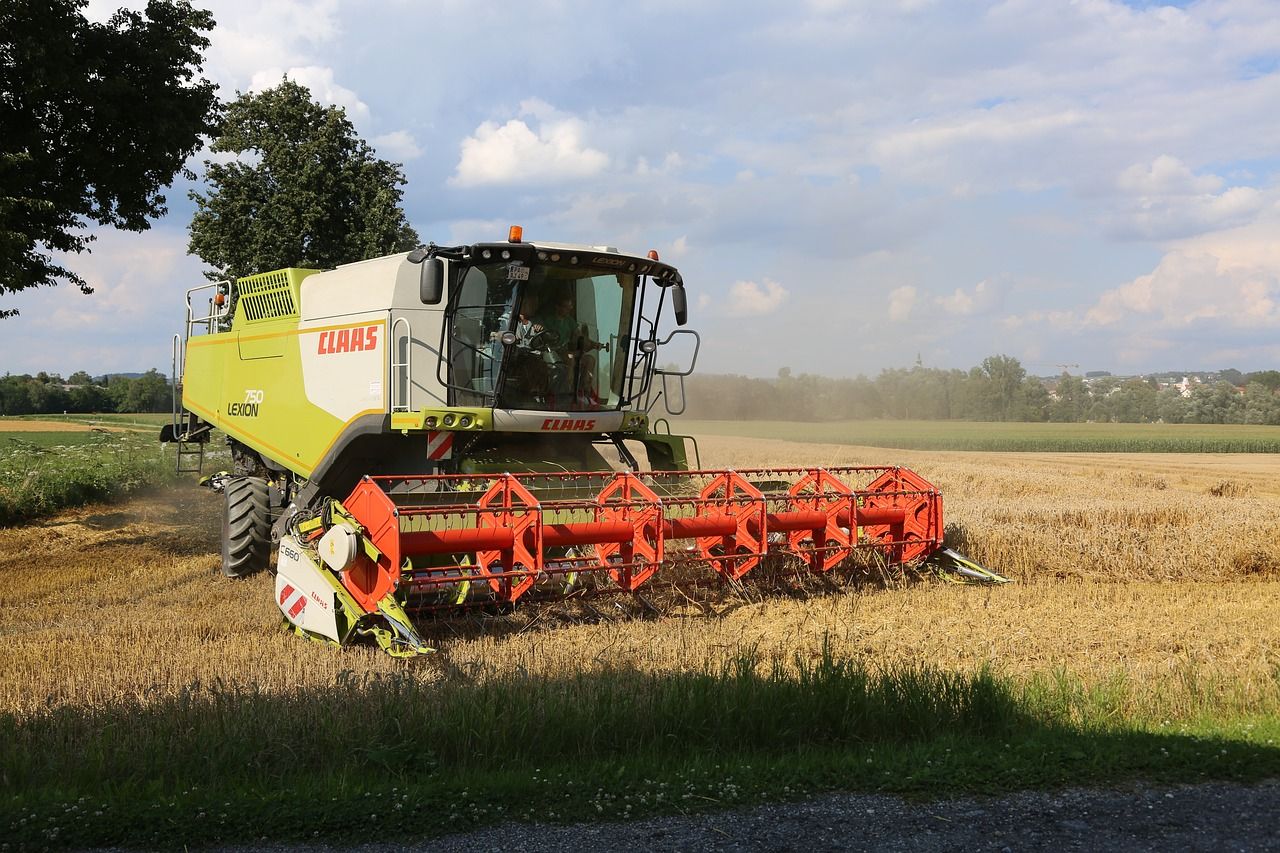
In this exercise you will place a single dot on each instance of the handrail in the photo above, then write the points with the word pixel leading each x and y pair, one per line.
pixel 398 405
pixel 216 313
pixel 178 371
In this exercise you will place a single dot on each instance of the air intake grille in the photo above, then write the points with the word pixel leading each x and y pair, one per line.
pixel 268 296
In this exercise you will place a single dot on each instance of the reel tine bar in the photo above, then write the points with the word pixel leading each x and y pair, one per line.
pixel 513 530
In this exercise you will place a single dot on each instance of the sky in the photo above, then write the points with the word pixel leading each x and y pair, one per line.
pixel 845 186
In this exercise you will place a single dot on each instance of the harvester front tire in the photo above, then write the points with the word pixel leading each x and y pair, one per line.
pixel 246 527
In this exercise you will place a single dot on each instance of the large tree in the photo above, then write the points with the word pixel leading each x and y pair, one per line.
pixel 95 120
pixel 303 189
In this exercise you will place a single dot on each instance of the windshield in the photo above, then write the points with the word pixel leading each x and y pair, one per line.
pixel 566 329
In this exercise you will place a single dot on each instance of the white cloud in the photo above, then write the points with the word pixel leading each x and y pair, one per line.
pixel 251 38
pixel 320 80
pixel 1166 176
pixel 515 153
pixel 670 164
pixel 139 282
pixel 901 302
pixel 1167 200
pixel 961 302
pixel 397 145
pixel 749 299
pixel 1188 288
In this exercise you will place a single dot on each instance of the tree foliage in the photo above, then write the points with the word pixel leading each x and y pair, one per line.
pixel 45 393
pixel 302 189
pixel 95 120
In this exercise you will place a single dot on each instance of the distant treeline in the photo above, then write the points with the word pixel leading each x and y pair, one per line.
pixel 997 390
pixel 49 393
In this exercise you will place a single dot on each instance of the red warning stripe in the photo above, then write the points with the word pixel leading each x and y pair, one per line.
pixel 439 445
pixel 298 605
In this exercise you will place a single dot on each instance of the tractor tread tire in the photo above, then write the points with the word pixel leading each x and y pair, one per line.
pixel 246 527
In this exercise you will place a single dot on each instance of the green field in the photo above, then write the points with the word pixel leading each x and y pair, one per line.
pixel 1028 437
pixel 44 471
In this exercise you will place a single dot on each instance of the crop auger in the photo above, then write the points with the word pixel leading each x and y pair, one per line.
pixel 423 432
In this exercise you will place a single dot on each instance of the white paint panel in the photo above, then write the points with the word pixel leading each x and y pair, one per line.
pixel 343 366
pixel 298 579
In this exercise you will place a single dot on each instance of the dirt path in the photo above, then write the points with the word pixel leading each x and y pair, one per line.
pixel 1127 820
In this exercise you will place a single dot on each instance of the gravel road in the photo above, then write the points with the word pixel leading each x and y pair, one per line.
pixel 1214 817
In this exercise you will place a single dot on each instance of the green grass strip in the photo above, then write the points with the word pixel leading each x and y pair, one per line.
pixel 408 757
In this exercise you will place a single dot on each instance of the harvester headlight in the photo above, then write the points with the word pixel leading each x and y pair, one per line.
pixel 431 422
pixel 449 420
pixel 555 256
pixel 542 256
pixel 573 259
pixel 506 256
pixel 508 338
pixel 648 346
pixel 465 421
pixel 486 254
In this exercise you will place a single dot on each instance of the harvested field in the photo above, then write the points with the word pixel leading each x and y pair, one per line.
pixel 1163 568
pixel 17 425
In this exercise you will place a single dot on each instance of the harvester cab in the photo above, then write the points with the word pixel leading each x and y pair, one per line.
pixel 471 426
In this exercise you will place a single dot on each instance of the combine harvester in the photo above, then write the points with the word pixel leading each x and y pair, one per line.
pixel 430 431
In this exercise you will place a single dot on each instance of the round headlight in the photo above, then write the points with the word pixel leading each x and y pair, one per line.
pixel 508 338
pixel 431 422
pixel 648 346
pixel 486 254
pixel 449 420
pixel 465 421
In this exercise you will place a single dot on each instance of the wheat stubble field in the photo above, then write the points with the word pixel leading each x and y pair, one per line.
pixel 1145 563
pixel 146 700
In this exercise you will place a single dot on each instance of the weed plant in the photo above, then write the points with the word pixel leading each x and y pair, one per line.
pixel 37 477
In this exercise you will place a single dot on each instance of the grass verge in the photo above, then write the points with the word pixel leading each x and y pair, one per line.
pixel 1007 437
pixel 395 756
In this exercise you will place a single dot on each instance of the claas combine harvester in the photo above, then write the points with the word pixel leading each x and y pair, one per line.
pixel 433 430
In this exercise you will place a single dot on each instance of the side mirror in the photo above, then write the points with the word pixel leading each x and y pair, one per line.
pixel 431 281
pixel 680 304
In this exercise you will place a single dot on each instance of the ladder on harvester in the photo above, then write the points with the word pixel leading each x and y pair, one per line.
pixel 191 435
pixel 185 429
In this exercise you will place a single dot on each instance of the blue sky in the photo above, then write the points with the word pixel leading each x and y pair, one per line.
pixel 845 185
